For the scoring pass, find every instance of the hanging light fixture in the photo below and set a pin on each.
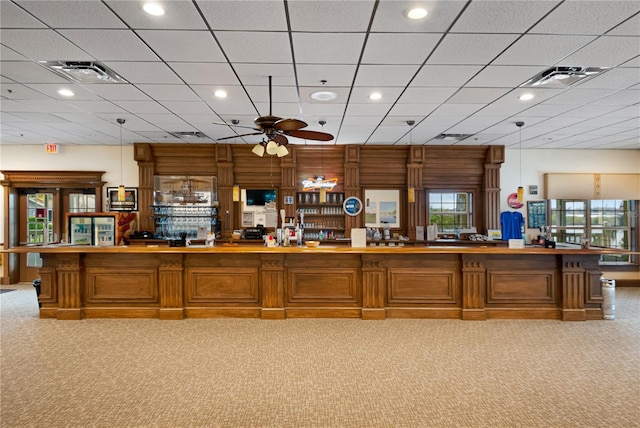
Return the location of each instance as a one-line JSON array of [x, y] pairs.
[[258, 149], [411, 191], [121, 190], [323, 191], [520, 192]]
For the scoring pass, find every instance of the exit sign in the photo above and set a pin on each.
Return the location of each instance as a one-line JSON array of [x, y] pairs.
[[51, 148]]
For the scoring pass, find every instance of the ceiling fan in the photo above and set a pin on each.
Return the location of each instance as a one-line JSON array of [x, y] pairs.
[[276, 130]]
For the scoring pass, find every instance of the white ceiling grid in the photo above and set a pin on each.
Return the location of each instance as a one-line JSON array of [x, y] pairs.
[[459, 70]]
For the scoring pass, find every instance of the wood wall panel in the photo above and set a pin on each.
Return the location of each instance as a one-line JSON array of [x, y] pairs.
[[421, 286], [534, 286], [125, 285], [383, 167], [221, 285], [337, 286]]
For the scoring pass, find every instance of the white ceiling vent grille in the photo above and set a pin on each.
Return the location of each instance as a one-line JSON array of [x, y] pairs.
[[562, 76], [189, 135], [453, 137], [83, 71]]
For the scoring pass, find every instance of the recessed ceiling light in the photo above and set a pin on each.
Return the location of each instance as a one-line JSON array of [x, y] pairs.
[[375, 96], [526, 97], [324, 95], [417, 13], [66, 92], [153, 9], [220, 93]]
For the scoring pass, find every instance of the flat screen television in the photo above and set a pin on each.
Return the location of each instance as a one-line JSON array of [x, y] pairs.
[[260, 197]]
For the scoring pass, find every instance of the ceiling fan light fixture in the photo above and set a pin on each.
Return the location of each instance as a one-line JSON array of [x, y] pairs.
[[324, 95], [282, 151], [258, 149], [272, 147]]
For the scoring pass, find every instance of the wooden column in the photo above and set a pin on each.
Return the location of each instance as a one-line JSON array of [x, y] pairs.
[[69, 287], [474, 285], [491, 187], [272, 286], [352, 185], [288, 185], [374, 287], [144, 156], [226, 180], [170, 285], [573, 284], [415, 212]]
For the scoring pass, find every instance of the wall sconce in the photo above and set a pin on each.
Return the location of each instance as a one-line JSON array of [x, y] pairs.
[[236, 193], [411, 194]]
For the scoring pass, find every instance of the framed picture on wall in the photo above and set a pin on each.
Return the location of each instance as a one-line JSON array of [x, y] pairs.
[[130, 202], [536, 214]]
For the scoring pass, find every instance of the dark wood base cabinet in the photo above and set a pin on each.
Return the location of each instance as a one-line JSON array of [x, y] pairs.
[[368, 283]]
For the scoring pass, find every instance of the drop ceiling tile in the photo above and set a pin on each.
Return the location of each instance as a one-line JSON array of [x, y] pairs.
[[72, 14], [605, 52], [13, 16], [51, 89], [257, 74], [587, 111], [279, 94], [109, 45], [47, 106], [397, 48], [412, 110], [235, 106], [458, 110], [579, 96], [97, 107], [13, 91], [376, 110], [470, 49], [183, 107], [244, 16], [178, 15], [335, 75], [501, 16], [38, 45], [145, 72], [627, 28], [322, 110], [327, 48], [586, 17], [502, 76], [339, 16], [419, 95], [169, 92], [29, 72], [542, 51], [391, 17], [170, 45], [240, 46], [142, 107], [119, 92], [617, 78], [385, 75], [7, 54], [445, 75], [477, 95]]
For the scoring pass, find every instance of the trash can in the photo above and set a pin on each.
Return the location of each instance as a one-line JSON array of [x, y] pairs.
[[36, 284], [608, 287]]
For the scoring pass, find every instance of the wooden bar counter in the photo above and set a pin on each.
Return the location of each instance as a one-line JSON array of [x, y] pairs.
[[471, 283]]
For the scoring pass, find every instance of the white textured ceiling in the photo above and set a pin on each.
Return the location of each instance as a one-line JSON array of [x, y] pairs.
[[458, 71]]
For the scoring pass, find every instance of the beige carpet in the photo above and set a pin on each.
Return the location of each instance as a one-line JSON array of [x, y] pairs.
[[318, 372]]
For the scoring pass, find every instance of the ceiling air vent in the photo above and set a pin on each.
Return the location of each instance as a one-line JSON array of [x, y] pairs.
[[563, 76], [83, 71], [188, 135], [453, 137]]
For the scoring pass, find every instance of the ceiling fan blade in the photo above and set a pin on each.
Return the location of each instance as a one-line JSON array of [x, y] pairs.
[[310, 135], [289, 124], [281, 139], [239, 135]]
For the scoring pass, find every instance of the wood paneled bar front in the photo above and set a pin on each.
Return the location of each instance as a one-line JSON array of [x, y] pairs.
[[373, 283]]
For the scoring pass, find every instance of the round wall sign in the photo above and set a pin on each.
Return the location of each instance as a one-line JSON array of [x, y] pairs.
[[352, 206], [513, 202]]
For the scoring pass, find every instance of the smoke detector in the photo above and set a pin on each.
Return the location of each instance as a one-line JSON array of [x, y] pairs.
[[83, 71], [562, 76]]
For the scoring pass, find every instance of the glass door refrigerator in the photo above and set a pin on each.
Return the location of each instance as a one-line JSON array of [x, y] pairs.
[[92, 228]]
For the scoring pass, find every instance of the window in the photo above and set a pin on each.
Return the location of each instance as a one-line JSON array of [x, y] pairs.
[[450, 211], [603, 223]]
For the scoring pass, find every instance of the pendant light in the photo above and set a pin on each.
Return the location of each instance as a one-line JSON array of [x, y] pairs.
[[411, 191], [121, 192], [323, 191], [520, 192]]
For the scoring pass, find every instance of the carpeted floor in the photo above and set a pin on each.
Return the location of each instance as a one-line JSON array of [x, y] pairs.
[[318, 372]]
